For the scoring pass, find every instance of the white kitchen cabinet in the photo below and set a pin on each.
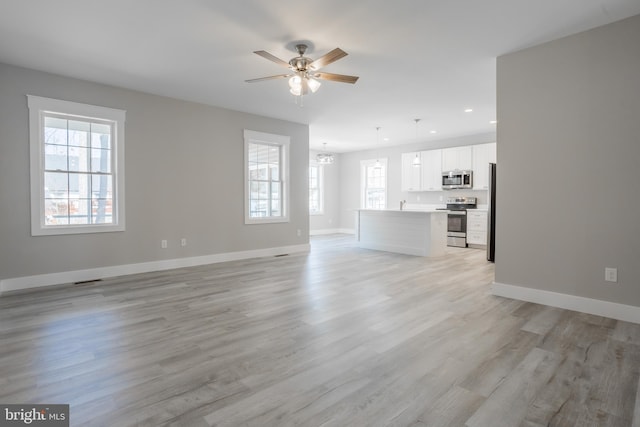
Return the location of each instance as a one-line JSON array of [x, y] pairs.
[[476, 227], [411, 175], [432, 170], [483, 154], [457, 158]]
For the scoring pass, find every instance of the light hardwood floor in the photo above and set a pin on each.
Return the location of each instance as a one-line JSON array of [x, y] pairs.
[[338, 337]]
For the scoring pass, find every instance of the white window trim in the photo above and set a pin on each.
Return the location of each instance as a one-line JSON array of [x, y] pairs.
[[320, 188], [363, 175], [272, 139], [38, 106]]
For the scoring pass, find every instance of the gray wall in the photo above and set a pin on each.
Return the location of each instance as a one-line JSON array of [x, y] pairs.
[[184, 178], [569, 146], [350, 176]]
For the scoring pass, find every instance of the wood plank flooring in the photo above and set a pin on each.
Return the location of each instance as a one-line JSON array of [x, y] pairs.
[[341, 336]]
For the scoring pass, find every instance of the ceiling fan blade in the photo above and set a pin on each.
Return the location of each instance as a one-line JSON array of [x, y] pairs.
[[327, 59], [270, 57], [336, 77], [261, 79]]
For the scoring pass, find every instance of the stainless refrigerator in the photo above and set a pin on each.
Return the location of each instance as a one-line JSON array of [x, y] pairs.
[[491, 216]]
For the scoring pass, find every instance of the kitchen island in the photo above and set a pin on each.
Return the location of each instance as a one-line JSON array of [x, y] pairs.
[[411, 232]]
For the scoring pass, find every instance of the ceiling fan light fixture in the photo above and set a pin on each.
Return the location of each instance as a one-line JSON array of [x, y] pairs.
[[295, 83], [303, 78], [314, 84]]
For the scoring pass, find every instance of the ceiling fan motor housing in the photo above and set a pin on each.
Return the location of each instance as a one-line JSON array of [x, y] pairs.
[[300, 63]]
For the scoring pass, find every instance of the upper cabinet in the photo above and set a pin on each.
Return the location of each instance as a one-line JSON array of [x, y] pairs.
[[428, 175], [411, 173], [432, 170], [483, 154], [457, 158]]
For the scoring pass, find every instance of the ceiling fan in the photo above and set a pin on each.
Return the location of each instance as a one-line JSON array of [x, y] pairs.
[[304, 73]]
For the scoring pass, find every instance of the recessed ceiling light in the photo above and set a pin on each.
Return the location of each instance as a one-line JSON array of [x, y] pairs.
[[468, 110], [493, 122], [432, 131], [385, 139]]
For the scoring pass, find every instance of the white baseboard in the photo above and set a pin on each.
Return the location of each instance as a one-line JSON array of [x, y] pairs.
[[28, 282], [331, 231], [627, 313]]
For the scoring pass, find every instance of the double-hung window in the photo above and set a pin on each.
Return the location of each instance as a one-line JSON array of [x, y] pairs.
[[77, 167], [266, 177], [316, 196], [373, 179]]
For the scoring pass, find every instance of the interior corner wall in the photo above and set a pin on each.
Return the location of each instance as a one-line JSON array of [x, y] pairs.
[[184, 179], [569, 149]]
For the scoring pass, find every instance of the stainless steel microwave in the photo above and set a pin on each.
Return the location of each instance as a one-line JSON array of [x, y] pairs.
[[457, 179]]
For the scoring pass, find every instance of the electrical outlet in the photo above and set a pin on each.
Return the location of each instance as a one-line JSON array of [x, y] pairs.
[[299, 232], [183, 242], [163, 244], [611, 274]]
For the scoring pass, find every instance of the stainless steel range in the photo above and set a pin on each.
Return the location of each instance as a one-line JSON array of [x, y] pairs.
[[457, 220]]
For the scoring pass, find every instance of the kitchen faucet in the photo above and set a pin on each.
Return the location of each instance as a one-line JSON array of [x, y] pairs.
[[402, 203]]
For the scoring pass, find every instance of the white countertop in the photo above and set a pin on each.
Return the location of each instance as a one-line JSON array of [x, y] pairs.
[[406, 210]]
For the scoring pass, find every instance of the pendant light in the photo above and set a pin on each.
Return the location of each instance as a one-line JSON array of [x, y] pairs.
[[377, 164], [416, 161], [324, 158]]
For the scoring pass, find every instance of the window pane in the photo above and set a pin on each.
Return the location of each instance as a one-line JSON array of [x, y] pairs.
[[79, 186], [262, 171], [100, 160], [275, 208], [274, 155], [252, 154], [100, 136], [375, 198], [79, 211], [101, 187], [56, 212], [101, 211], [253, 171], [56, 185], [55, 157], [258, 208], [254, 189], [79, 133], [55, 131], [275, 172], [275, 190], [313, 200], [78, 159], [263, 154], [263, 190]]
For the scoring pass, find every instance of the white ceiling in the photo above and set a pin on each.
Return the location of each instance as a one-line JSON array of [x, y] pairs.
[[424, 59]]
